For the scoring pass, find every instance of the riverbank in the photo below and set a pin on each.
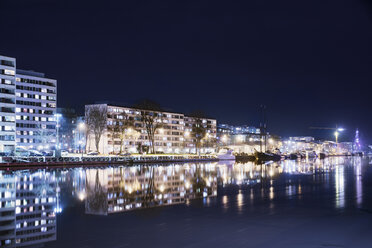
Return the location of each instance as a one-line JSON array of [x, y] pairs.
[[20, 163]]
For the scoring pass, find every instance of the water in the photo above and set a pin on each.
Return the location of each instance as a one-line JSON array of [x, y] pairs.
[[325, 203]]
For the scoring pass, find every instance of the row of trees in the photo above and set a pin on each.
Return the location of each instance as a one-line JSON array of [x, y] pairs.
[[151, 118]]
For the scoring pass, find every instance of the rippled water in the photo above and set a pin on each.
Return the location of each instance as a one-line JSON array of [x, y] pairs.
[[322, 203]]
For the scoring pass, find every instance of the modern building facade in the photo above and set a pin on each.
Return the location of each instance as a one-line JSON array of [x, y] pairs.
[[230, 129], [170, 137], [36, 105], [237, 135], [7, 104], [28, 106]]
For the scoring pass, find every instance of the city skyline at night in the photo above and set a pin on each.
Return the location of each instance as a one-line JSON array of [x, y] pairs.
[[309, 63]]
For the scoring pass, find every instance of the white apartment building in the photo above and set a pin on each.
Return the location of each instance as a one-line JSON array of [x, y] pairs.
[[36, 106], [169, 138], [7, 104], [208, 143], [28, 106]]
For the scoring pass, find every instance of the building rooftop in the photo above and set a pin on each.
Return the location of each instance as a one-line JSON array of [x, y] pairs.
[[30, 73]]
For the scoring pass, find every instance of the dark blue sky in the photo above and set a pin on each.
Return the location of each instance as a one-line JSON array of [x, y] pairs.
[[309, 62]]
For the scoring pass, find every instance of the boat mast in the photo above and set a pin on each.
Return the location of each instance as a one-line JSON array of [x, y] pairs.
[[263, 126]]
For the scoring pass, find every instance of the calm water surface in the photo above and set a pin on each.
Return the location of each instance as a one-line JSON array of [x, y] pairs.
[[322, 203]]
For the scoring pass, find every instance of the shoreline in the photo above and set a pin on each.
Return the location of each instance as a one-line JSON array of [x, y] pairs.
[[99, 161]]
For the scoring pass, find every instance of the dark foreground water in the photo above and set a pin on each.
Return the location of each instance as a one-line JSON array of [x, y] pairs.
[[324, 203]]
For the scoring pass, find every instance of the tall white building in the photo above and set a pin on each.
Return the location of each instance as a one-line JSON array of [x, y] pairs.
[[28, 106], [36, 106], [7, 103]]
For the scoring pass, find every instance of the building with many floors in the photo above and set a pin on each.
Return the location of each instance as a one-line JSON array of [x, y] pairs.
[[236, 130], [173, 135], [237, 135], [7, 104], [28, 103]]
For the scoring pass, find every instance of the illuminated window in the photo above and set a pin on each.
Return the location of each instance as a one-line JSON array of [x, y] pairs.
[[9, 72]]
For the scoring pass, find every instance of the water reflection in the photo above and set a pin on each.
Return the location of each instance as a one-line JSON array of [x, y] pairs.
[[358, 180], [30, 200], [340, 187], [29, 204]]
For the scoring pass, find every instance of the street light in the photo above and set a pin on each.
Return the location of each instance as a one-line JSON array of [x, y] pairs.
[[336, 136]]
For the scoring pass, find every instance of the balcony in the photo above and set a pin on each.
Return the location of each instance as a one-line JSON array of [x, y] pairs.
[[7, 110], [7, 63], [7, 100], [6, 91]]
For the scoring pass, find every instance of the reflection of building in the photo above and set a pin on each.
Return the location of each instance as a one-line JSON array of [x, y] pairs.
[[169, 137], [126, 188], [28, 209], [7, 210]]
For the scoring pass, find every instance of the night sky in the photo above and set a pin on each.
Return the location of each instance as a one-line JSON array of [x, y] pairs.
[[310, 62]]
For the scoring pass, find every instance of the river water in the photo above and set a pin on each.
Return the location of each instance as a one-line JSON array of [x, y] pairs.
[[321, 203]]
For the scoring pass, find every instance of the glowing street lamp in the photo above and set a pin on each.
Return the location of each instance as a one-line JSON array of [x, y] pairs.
[[337, 133], [81, 126], [336, 136]]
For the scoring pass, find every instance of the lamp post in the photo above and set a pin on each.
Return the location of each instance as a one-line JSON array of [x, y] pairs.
[[336, 136], [337, 132]]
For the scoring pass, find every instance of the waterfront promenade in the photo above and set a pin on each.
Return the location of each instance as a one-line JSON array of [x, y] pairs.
[[17, 163]]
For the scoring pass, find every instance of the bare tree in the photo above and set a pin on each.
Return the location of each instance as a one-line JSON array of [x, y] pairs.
[[151, 118], [198, 130], [97, 116], [88, 130], [127, 131], [45, 136]]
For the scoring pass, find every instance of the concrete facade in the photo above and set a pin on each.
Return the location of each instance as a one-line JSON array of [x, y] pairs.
[[169, 138], [28, 102]]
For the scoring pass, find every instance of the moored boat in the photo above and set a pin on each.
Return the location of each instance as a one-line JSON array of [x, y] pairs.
[[226, 155], [266, 156]]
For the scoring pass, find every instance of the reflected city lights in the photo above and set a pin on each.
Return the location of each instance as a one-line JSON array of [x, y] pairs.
[[112, 190]]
